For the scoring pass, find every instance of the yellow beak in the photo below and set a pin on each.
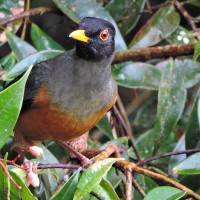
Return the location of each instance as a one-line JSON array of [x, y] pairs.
[[79, 35]]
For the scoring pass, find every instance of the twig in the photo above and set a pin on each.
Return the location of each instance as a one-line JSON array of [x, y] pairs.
[[63, 166], [123, 112], [129, 192], [31, 12], [149, 53], [149, 8], [138, 188], [187, 16], [25, 21], [134, 168], [162, 155], [9, 176], [144, 11]]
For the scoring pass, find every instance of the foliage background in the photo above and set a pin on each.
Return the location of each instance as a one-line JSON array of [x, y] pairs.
[[160, 97]]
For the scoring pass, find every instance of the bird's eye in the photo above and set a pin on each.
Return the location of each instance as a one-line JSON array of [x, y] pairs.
[[104, 35]]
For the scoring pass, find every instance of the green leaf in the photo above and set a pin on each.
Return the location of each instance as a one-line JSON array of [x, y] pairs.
[[161, 25], [146, 183], [192, 135], [138, 75], [121, 9], [198, 110], [190, 165], [190, 71], [104, 126], [92, 176], [145, 143], [8, 61], [68, 189], [175, 159], [196, 51], [33, 59], [10, 104], [166, 192], [42, 41], [76, 10], [106, 191], [171, 102], [24, 193], [21, 48], [181, 36], [7, 9], [4, 181]]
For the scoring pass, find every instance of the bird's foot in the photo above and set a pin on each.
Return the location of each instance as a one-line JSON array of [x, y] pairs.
[[85, 162]]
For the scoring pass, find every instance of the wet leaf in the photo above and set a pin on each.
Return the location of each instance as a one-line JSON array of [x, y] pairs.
[[192, 135], [127, 12], [105, 127], [92, 176], [8, 61], [190, 165], [175, 159], [33, 59], [10, 104], [76, 10], [138, 75], [171, 102], [68, 189], [181, 36], [166, 192], [42, 41], [106, 191], [161, 25], [24, 193], [146, 183], [196, 51], [21, 48]]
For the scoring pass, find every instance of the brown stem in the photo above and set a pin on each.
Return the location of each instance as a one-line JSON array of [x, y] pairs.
[[162, 155], [187, 16], [9, 176], [63, 166], [31, 12], [134, 168], [138, 188], [129, 178], [124, 114], [149, 53], [25, 21]]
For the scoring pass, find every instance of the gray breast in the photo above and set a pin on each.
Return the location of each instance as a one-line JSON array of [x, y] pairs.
[[81, 87]]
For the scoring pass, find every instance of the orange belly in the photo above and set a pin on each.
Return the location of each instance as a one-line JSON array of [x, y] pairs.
[[44, 121]]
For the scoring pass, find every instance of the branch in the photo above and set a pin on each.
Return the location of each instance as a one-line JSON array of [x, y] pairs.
[[31, 12], [134, 168], [9, 176], [187, 16], [149, 53], [63, 166], [138, 188], [162, 155]]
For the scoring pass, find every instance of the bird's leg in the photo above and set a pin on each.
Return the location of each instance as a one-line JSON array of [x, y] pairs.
[[85, 162]]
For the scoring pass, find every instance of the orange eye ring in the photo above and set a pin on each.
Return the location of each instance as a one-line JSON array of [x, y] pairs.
[[104, 35]]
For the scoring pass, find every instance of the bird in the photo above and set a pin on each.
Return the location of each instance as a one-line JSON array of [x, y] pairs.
[[68, 95]]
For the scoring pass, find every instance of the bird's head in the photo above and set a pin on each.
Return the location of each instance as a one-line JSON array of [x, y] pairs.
[[95, 39]]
